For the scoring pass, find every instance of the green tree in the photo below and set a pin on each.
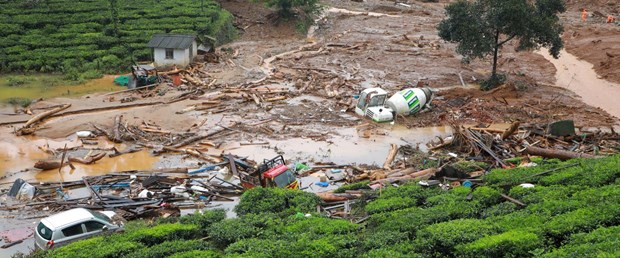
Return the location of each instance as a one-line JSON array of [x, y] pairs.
[[482, 27]]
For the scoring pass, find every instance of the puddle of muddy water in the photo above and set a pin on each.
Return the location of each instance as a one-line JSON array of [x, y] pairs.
[[41, 86], [345, 148], [20, 153], [579, 77]]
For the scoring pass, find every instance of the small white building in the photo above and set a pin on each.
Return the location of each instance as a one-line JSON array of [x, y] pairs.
[[173, 49]]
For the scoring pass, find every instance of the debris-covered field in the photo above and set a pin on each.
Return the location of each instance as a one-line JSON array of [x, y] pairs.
[[159, 152]]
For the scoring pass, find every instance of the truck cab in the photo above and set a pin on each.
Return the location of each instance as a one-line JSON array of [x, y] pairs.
[[371, 103], [272, 173]]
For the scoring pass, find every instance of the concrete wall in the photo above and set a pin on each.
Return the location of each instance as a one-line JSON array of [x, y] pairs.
[[181, 57]]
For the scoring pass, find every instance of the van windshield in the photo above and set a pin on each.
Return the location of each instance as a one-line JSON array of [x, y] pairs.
[[44, 231]]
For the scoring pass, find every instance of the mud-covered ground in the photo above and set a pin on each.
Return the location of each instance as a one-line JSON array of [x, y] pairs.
[[356, 45]]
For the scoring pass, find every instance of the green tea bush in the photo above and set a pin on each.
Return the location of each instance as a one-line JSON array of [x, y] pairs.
[[441, 239], [559, 228], [198, 254], [205, 219], [602, 242], [521, 220], [320, 226], [168, 248], [592, 173], [382, 238], [276, 200], [229, 231], [487, 196], [395, 198], [164, 232], [97, 247], [508, 244], [499, 210], [520, 175]]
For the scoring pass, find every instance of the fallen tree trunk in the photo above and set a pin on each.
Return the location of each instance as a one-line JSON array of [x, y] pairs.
[[116, 129], [390, 157], [336, 197], [559, 154], [411, 177], [89, 160], [25, 129], [89, 110], [49, 164]]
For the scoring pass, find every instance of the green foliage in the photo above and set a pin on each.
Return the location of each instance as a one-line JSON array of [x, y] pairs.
[[276, 200], [442, 238], [168, 248], [22, 102], [582, 220], [520, 175], [286, 7], [487, 196], [396, 198], [106, 35], [164, 232], [482, 27], [14, 81], [602, 242], [499, 210], [493, 81], [353, 186], [204, 219], [508, 244], [97, 247], [198, 254], [229, 231], [320, 226]]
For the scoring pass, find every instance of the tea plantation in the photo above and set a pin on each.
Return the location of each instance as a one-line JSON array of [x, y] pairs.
[[571, 212], [89, 37]]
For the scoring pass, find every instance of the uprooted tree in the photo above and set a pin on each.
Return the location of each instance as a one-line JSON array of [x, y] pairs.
[[302, 10], [482, 27]]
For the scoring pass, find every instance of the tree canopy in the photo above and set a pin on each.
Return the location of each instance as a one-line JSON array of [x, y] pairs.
[[482, 27]]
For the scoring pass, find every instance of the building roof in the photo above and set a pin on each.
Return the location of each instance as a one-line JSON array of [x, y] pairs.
[[177, 41]]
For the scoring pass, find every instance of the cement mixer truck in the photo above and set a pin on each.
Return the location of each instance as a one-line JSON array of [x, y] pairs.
[[373, 104]]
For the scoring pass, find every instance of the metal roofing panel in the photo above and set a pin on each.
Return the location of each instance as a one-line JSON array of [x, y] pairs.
[[177, 41]]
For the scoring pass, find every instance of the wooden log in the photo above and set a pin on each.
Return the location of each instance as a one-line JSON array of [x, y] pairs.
[[511, 130], [276, 98], [88, 160], [390, 157], [47, 164], [26, 128], [490, 130], [46, 114], [116, 133], [334, 197], [559, 154]]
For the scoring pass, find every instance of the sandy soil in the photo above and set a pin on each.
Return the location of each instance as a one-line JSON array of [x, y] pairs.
[[595, 40]]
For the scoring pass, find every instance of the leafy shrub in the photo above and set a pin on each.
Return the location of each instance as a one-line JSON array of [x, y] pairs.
[[520, 220], [13, 81], [168, 248], [205, 219], [509, 244], [582, 220], [97, 247], [520, 175], [276, 200], [405, 196], [22, 102], [198, 254], [382, 238], [602, 242], [591, 173], [499, 210], [442, 238], [163, 232], [320, 226], [487, 196], [354, 186], [229, 231], [301, 246]]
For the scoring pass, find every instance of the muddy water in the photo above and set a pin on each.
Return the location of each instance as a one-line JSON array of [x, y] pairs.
[[20, 153], [579, 76], [349, 146], [40, 88]]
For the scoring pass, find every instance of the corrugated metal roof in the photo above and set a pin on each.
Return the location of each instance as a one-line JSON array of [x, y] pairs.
[[177, 41]]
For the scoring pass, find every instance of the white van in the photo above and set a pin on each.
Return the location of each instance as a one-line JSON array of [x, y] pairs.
[[72, 225]]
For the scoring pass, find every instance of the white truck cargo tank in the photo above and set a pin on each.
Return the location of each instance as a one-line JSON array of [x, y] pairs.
[[409, 101]]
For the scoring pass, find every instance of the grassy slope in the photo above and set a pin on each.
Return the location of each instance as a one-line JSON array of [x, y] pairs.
[[571, 212]]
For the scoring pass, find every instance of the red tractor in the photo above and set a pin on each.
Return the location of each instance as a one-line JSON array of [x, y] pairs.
[[272, 173]]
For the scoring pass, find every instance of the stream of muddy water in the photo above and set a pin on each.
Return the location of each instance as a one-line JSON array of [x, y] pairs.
[[579, 77]]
